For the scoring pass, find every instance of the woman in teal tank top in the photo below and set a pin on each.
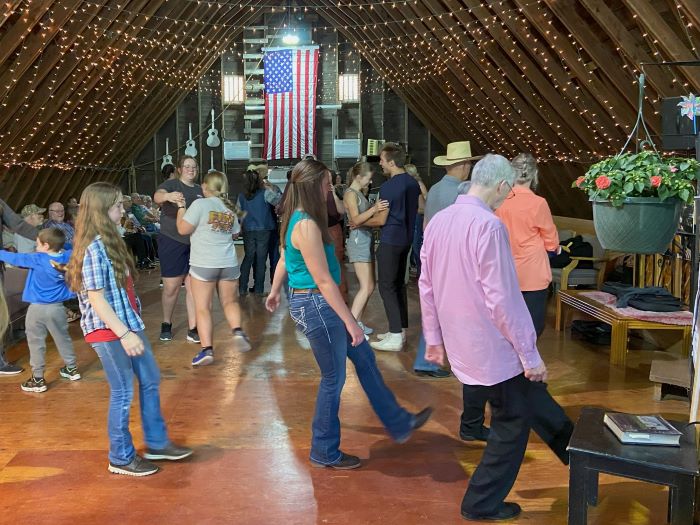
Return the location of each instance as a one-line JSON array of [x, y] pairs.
[[316, 305]]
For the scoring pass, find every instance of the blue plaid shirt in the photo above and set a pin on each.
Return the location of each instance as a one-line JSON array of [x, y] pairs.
[[98, 274]]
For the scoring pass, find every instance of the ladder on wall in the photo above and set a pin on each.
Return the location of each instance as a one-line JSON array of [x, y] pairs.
[[255, 38]]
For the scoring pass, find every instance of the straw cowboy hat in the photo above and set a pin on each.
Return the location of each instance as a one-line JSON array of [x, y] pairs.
[[456, 152]]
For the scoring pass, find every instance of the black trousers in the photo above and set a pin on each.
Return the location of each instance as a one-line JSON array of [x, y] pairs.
[[391, 281], [137, 245], [536, 302], [516, 406]]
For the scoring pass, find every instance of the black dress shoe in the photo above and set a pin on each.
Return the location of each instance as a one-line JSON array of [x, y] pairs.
[[481, 435], [420, 419], [347, 462], [507, 511], [440, 374]]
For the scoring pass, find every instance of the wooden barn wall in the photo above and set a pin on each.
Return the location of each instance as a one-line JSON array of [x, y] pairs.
[[380, 114]]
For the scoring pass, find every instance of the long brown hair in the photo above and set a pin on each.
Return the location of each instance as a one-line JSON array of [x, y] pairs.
[[93, 220], [305, 194], [252, 183]]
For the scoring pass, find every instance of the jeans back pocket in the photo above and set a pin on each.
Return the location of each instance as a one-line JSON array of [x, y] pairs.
[[299, 317]]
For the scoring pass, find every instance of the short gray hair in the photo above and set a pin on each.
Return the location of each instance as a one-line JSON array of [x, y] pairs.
[[492, 170], [463, 187]]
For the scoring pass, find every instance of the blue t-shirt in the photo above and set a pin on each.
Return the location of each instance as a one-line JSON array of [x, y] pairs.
[[45, 283], [298, 273], [402, 192], [258, 212]]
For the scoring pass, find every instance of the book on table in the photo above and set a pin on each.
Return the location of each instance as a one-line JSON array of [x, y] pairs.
[[642, 430]]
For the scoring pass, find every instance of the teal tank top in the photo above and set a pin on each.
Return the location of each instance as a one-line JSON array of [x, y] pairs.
[[298, 273]]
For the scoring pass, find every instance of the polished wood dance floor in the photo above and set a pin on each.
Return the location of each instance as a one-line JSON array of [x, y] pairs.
[[248, 418]]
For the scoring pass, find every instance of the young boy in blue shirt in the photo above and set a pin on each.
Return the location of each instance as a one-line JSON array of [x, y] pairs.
[[46, 290]]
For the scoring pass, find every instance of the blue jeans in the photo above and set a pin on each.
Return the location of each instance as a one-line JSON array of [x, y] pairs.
[[120, 369], [255, 246], [331, 345], [417, 243], [420, 363]]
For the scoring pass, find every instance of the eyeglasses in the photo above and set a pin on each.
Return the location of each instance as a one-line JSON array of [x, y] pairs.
[[511, 193], [57, 211]]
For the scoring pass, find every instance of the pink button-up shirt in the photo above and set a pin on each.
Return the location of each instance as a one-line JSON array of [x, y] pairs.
[[470, 298]]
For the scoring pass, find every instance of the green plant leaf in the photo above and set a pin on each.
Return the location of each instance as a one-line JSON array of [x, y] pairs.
[[639, 186], [684, 194], [628, 187]]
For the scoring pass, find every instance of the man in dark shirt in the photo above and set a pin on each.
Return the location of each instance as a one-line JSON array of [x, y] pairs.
[[398, 221]]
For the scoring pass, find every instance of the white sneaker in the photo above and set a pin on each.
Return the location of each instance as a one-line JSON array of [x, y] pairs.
[[391, 343], [366, 329], [381, 337]]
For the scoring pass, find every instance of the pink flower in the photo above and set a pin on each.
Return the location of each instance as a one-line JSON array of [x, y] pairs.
[[656, 180], [579, 181], [672, 169], [602, 182]]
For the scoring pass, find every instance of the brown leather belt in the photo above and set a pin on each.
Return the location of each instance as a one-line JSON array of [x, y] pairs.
[[304, 290]]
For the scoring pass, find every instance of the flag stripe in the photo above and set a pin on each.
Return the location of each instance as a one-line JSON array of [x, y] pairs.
[[290, 102]]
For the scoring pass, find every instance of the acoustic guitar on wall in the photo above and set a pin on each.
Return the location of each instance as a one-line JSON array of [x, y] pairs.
[[167, 158], [190, 148], [211, 165], [213, 138]]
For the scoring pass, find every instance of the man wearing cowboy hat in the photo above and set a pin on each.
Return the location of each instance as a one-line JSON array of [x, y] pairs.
[[458, 164]]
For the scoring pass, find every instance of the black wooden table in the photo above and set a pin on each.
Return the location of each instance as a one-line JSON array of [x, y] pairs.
[[594, 449]]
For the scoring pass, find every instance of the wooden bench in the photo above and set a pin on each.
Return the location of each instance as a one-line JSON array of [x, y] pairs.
[[670, 377], [620, 325]]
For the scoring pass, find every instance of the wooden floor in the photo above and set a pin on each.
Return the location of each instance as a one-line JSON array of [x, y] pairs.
[[248, 418]]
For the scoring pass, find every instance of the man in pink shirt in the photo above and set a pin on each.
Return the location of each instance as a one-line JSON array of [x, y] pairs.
[[474, 314]]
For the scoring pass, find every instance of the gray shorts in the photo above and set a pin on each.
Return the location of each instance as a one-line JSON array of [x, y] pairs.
[[215, 274]]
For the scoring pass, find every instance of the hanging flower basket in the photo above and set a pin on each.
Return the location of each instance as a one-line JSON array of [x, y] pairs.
[[641, 225], [637, 199]]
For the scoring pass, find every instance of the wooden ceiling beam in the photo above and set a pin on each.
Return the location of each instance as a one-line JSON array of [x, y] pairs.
[[548, 58], [169, 99], [610, 64], [666, 37], [413, 95], [155, 91], [442, 83], [499, 65], [490, 97], [66, 96], [163, 112], [11, 10], [18, 133], [477, 105], [563, 118], [15, 36], [609, 100], [691, 9]]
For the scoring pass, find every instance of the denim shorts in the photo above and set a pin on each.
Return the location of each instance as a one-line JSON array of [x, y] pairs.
[[174, 257]]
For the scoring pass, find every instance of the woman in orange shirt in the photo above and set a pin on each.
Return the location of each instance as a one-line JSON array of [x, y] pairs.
[[532, 234]]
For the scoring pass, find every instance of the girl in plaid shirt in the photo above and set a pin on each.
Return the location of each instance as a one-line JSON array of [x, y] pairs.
[[100, 271]]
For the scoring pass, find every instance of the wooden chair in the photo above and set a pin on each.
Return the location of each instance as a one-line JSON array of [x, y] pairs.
[[572, 274]]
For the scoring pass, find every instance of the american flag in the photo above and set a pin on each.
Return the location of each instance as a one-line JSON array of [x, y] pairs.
[[290, 102]]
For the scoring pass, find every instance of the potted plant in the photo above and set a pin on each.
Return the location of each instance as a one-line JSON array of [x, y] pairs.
[[637, 199]]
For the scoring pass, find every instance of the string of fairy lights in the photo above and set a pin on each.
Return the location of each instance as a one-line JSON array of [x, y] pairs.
[[514, 83]]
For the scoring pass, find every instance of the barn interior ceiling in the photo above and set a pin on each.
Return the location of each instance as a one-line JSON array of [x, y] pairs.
[[85, 84]]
